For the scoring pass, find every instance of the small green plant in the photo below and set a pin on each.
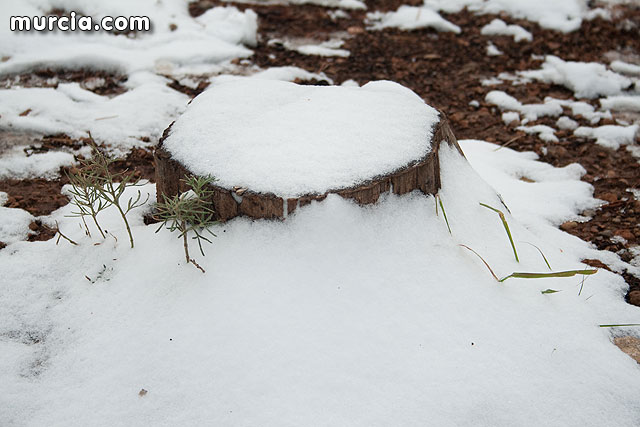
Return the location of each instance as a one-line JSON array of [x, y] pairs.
[[86, 196], [189, 212], [444, 213], [506, 227], [96, 187]]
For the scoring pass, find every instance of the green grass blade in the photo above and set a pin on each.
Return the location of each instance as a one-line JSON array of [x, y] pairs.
[[621, 324], [506, 227], [444, 213], [541, 253], [549, 291], [482, 259], [569, 273]]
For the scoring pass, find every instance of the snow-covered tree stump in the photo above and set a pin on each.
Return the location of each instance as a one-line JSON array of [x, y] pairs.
[[275, 146]]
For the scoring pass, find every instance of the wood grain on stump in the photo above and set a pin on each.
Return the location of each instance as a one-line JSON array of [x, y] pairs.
[[423, 174]]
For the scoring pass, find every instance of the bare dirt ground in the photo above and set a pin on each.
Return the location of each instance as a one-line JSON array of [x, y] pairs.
[[446, 70]]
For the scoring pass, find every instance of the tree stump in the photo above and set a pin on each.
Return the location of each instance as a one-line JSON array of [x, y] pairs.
[[229, 201]]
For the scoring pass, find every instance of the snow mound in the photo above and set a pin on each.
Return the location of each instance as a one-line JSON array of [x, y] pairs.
[[341, 315], [500, 28], [563, 15], [585, 79], [621, 103], [531, 111], [611, 136], [14, 223], [410, 18], [288, 139]]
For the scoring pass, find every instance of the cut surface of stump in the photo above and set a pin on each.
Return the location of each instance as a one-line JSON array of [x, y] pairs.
[[273, 146]]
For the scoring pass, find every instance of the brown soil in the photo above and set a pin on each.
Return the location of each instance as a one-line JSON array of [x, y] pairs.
[[446, 70]]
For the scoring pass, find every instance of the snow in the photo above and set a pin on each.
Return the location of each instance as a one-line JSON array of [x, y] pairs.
[[611, 136], [565, 15], [621, 103], [505, 101], [326, 48], [544, 132], [582, 109], [214, 37], [338, 14], [287, 74], [344, 4], [323, 49], [500, 28], [205, 44], [15, 164], [14, 223], [565, 122], [510, 117], [585, 79], [121, 120], [340, 315], [492, 50], [410, 18], [241, 132], [625, 68]]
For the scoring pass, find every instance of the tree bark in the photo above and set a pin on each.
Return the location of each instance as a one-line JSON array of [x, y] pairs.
[[423, 174]]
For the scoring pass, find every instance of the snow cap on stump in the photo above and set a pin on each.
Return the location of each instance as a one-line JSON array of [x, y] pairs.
[[291, 142]]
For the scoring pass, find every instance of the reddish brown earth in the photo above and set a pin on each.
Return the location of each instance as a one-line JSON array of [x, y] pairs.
[[446, 70]]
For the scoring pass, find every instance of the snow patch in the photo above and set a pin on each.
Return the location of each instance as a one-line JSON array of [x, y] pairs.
[[585, 79], [15, 164], [621, 103], [410, 18], [492, 50], [531, 111], [565, 122], [499, 28], [544, 132], [610, 136]]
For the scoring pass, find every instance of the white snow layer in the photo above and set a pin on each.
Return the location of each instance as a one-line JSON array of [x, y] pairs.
[[544, 132], [14, 223], [563, 15], [625, 68], [500, 28], [344, 4], [120, 121], [291, 140], [16, 165], [611, 136], [340, 315], [492, 50], [213, 37], [621, 103], [204, 43], [585, 79], [565, 122], [410, 18], [505, 101]]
